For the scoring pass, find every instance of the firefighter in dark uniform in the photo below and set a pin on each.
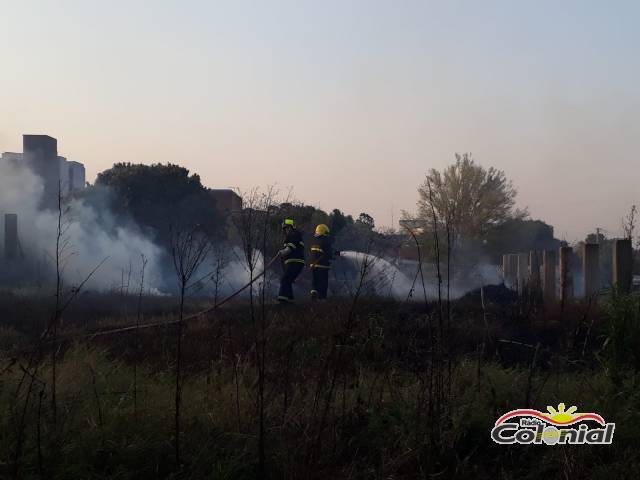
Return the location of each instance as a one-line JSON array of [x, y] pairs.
[[292, 255], [321, 254]]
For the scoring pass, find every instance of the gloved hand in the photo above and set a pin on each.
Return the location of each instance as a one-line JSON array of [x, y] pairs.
[[284, 252], [336, 253]]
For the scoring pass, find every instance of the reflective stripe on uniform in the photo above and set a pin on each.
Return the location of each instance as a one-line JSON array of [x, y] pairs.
[[292, 245], [293, 260], [317, 249], [315, 265]]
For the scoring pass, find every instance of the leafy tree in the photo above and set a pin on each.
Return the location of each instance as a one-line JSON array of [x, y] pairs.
[[467, 196], [366, 221], [348, 234], [338, 221], [160, 196], [305, 216]]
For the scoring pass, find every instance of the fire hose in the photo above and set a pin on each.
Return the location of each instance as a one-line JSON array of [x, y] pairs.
[[188, 317], [193, 315], [174, 322]]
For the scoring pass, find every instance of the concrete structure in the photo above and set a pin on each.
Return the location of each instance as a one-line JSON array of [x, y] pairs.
[[41, 155], [11, 157], [10, 236], [76, 176], [566, 273], [591, 269], [622, 264], [72, 175], [505, 268], [534, 272], [523, 271], [417, 226], [549, 275], [510, 270], [227, 201]]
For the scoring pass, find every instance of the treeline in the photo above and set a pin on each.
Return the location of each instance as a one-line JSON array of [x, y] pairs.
[[160, 197], [472, 205], [472, 208]]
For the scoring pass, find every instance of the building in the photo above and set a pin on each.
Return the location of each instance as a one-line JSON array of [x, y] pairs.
[[40, 152], [77, 178], [417, 226], [72, 175], [10, 236], [11, 157], [227, 201]]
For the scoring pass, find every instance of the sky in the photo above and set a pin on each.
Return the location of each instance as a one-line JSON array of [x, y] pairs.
[[345, 103]]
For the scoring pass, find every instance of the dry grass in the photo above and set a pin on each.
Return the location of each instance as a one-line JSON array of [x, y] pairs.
[[336, 406]]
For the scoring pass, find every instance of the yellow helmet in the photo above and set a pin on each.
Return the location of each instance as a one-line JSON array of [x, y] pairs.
[[322, 229]]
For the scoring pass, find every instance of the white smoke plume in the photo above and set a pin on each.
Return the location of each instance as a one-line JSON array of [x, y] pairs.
[[91, 235], [396, 280]]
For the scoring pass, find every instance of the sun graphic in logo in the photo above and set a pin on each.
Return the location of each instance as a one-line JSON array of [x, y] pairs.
[[561, 416]]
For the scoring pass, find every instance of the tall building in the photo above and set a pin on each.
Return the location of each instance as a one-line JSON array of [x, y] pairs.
[[41, 153]]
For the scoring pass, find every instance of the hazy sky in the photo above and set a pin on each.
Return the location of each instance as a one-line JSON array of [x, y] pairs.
[[348, 102]]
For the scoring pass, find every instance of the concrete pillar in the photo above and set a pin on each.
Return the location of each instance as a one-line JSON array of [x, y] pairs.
[[505, 267], [534, 269], [549, 275], [566, 273], [622, 264], [523, 271], [512, 271], [10, 236], [534, 272], [591, 269]]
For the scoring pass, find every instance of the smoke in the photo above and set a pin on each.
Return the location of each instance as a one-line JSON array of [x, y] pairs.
[[228, 268], [396, 279], [91, 233], [378, 275]]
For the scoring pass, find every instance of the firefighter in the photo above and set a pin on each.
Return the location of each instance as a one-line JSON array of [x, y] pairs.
[[292, 256], [321, 254]]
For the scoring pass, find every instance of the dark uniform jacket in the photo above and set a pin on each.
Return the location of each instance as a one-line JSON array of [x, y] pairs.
[[294, 241], [321, 252]]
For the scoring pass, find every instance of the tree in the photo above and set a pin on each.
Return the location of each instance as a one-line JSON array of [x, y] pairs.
[[189, 250], [158, 196], [338, 221], [366, 221], [467, 196]]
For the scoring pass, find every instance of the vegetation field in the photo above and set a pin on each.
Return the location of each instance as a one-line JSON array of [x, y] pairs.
[[355, 388]]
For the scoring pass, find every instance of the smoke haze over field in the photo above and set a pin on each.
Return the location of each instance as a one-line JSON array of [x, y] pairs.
[[91, 232], [397, 279]]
